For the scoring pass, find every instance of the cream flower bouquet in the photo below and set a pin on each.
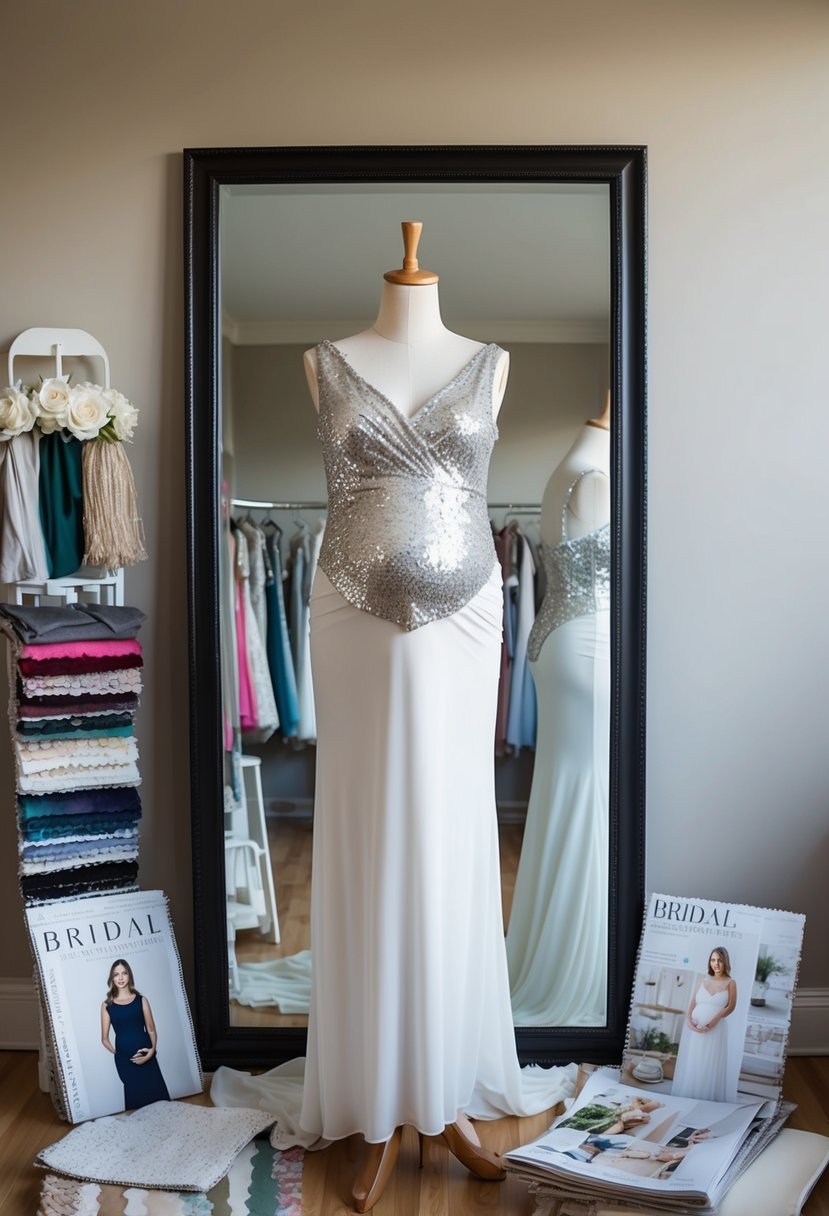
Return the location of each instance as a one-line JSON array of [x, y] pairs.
[[85, 410], [113, 533]]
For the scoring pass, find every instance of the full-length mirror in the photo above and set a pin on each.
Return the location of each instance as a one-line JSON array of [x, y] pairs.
[[541, 259]]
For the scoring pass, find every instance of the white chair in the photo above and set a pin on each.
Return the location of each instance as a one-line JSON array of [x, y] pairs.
[[245, 898], [256, 830]]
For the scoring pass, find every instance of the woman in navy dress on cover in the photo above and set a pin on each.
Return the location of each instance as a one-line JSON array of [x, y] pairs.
[[128, 1013]]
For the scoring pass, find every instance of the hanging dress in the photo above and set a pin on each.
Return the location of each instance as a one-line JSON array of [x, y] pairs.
[[557, 934], [252, 653], [280, 659]]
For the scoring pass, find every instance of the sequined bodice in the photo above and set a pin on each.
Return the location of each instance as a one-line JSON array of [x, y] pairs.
[[577, 571], [408, 535]]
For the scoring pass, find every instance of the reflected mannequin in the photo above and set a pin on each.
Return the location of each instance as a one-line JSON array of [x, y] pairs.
[[557, 935]]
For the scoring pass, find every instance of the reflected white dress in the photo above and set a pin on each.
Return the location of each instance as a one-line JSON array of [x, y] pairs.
[[410, 1015], [557, 934], [702, 1059]]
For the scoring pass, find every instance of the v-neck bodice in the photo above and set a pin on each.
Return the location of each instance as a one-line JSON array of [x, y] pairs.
[[408, 535]]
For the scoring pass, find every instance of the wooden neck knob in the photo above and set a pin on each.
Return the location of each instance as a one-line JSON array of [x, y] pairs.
[[410, 274]]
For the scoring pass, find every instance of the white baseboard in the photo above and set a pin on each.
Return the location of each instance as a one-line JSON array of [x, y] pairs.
[[19, 1026], [19, 1022], [810, 1023]]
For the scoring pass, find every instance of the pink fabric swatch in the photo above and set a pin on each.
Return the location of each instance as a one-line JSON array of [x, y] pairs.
[[92, 650]]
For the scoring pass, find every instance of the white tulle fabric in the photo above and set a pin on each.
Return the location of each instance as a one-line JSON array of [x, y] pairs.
[[410, 1013], [557, 936]]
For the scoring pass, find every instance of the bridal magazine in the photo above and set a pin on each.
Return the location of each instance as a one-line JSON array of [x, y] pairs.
[[698, 1094], [115, 1020], [712, 1000]]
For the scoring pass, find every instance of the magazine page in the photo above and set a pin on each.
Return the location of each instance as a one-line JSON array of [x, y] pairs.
[[712, 999], [615, 1138], [112, 990]]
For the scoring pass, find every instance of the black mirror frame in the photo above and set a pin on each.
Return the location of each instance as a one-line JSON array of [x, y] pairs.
[[206, 170]]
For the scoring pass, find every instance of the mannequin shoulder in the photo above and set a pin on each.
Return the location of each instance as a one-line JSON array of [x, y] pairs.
[[309, 360], [590, 500], [499, 380]]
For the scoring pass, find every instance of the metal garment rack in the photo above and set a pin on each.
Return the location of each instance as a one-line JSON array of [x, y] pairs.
[[254, 504], [257, 504]]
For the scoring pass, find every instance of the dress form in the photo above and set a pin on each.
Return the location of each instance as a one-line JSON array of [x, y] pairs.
[[409, 354], [410, 1019], [557, 934], [589, 505]]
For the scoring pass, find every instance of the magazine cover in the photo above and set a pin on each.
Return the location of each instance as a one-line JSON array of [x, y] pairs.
[[616, 1139], [115, 1004], [712, 1000]]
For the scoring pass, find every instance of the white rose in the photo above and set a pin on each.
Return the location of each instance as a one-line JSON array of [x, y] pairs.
[[17, 413], [87, 411], [123, 412], [52, 400]]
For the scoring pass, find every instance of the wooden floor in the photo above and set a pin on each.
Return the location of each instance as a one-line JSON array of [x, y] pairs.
[[442, 1188]]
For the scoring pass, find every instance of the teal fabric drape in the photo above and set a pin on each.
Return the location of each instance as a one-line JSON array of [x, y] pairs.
[[61, 503]]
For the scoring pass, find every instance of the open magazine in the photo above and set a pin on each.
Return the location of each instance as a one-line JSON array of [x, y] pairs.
[[712, 1000], [665, 1152], [117, 1024]]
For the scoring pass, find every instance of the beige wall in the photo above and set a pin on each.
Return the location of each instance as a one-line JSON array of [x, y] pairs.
[[733, 101]]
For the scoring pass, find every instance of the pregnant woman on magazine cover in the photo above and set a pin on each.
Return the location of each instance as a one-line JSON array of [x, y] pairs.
[[702, 1059], [128, 1013]]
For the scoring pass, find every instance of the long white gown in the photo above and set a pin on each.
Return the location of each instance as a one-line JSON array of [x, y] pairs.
[[410, 1014], [702, 1060], [557, 935]]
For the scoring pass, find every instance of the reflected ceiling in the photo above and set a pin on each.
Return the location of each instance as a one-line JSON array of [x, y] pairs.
[[533, 259]]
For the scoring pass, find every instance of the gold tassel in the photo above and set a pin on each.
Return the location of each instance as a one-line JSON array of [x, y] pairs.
[[113, 531]]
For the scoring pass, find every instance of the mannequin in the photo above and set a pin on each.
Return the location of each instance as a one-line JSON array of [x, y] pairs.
[[410, 1019], [409, 354], [556, 940], [408, 364]]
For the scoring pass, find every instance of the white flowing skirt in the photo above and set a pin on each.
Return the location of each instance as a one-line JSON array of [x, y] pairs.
[[410, 1016], [557, 934]]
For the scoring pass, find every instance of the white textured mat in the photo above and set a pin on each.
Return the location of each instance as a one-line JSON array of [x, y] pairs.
[[168, 1145]]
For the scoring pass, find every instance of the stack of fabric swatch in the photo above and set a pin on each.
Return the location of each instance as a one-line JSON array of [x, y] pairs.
[[72, 710]]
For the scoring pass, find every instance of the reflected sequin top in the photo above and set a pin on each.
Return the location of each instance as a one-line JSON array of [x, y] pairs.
[[408, 535], [578, 576]]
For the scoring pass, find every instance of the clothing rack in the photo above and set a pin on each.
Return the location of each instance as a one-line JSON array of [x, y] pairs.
[[528, 507], [278, 506]]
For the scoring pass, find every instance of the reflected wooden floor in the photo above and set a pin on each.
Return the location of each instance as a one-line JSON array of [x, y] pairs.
[[443, 1188], [291, 841]]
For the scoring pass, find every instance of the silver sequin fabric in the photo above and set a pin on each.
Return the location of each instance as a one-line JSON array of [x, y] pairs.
[[578, 578], [408, 535]]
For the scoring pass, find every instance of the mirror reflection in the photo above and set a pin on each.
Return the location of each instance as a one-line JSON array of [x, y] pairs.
[[523, 266]]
